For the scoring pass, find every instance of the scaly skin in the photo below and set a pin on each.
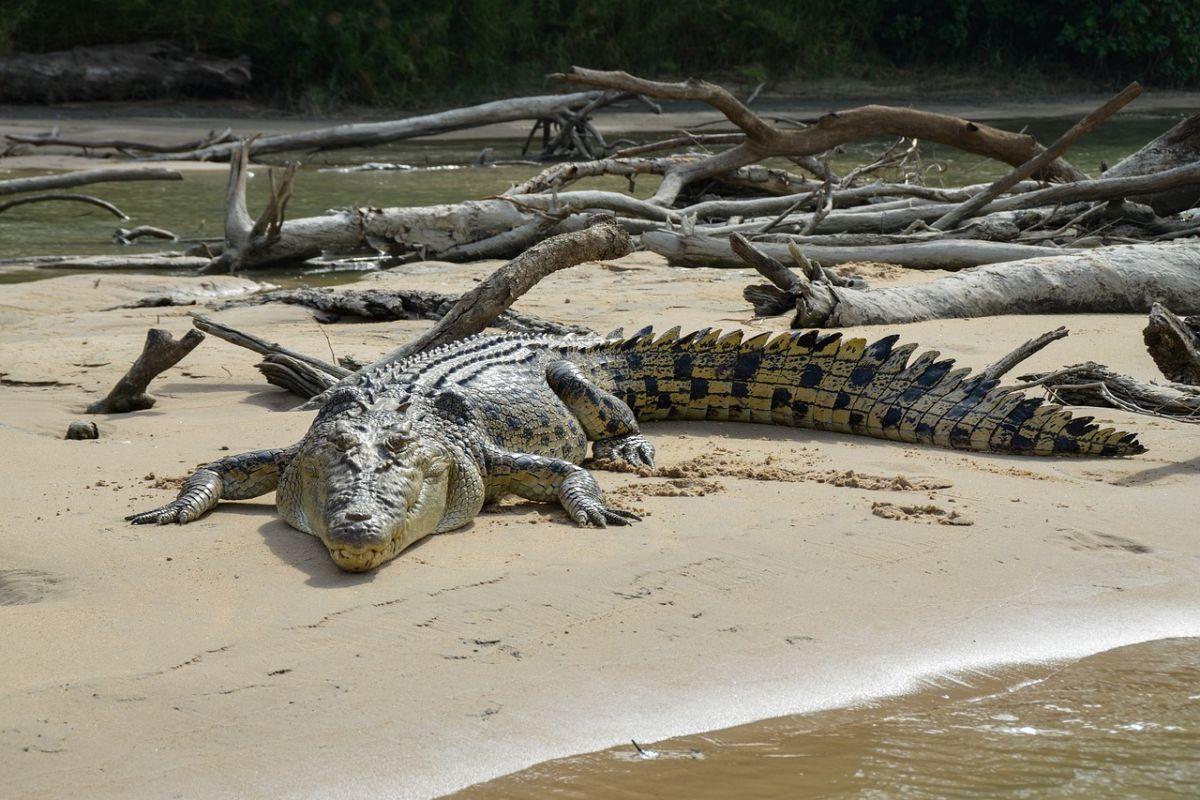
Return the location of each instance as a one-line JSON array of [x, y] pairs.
[[406, 449]]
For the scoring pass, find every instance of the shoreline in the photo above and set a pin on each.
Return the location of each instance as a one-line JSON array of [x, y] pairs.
[[162, 123], [231, 656], [1029, 727]]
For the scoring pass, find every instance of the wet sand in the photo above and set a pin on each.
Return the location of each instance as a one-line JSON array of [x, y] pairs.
[[1119, 724], [230, 658]]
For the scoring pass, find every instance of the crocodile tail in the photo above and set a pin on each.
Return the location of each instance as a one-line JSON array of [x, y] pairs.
[[826, 382]]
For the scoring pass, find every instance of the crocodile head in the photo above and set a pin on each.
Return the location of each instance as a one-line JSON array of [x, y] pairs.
[[366, 485]]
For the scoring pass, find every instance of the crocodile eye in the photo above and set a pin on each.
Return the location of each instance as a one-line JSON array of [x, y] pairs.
[[395, 442]]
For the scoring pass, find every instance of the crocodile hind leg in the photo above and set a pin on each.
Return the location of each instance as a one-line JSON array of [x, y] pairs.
[[608, 422], [237, 477], [545, 480]]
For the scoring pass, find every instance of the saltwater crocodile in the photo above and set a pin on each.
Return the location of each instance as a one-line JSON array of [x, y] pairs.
[[404, 449]]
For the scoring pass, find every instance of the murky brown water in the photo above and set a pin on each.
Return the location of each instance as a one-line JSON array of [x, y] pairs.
[[1120, 724]]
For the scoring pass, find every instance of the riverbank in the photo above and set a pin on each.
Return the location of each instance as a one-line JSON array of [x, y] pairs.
[[1122, 723], [230, 658]]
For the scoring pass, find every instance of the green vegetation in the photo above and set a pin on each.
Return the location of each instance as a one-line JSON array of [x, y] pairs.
[[323, 52]]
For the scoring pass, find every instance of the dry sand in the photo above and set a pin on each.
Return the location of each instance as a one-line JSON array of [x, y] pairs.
[[231, 658]]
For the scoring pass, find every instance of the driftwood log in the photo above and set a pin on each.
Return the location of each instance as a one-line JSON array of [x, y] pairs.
[[370, 134], [1174, 344], [161, 352], [476, 309], [1092, 384], [389, 305], [67, 180], [1118, 279], [836, 128], [1178, 147], [1039, 162], [63, 197], [950, 254], [124, 146], [119, 72]]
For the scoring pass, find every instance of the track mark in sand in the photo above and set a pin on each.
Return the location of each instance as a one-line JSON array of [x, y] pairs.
[[724, 463], [1095, 540], [20, 587], [930, 514]]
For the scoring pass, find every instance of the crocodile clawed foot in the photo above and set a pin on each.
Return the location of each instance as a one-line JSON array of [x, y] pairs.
[[632, 449], [172, 512], [583, 502]]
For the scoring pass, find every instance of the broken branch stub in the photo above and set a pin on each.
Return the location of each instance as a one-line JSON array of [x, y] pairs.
[[161, 352]]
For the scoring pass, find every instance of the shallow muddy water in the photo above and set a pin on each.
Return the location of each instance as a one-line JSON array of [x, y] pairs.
[[1119, 724], [193, 208]]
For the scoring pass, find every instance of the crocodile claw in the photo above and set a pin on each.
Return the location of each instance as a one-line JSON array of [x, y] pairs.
[[633, 449], [585, 505], [200, 492]]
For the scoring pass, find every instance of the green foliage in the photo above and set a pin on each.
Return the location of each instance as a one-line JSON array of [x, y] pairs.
[[1157, 41], [320, 52]]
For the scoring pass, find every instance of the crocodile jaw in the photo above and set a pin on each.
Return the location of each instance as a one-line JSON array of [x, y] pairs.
[[360, 546], [367, 487]]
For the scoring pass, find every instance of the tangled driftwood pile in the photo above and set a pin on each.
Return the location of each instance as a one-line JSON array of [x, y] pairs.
[[1044, 238]]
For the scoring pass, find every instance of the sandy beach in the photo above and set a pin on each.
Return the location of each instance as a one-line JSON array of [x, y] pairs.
[[787, 571]]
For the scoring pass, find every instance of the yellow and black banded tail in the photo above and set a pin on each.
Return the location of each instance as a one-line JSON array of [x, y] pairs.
[[825, 382]]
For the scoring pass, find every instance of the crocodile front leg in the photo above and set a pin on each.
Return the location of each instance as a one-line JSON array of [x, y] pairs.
[[608, 422], [545, 480], [237, 477]]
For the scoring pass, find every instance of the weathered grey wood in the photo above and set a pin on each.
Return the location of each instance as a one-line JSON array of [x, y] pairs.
[[1092, 384], [387, 305], [476, 309], [369, 134], [763, 140], [66, 180], [1117, 279], [1174, 344], [700, 250], [161, 352], [1179, 146], [64, 197], [262, 346], [1002, 366], [1039, 162]]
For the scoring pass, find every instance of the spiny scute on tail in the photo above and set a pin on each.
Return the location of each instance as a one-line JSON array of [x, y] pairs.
[[827, 382]]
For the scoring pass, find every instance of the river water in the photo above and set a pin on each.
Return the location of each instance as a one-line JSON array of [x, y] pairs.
[[1120, 724]]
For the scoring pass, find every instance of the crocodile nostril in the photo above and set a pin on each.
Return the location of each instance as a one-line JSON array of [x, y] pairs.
[[355, 516]]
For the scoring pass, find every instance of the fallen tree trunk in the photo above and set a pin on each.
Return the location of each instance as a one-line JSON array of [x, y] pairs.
[[1180, 146], [709, 251], [370, 134], [1174, 344], [119, 72], [66, 180], [1118, 279], [764, 140]]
